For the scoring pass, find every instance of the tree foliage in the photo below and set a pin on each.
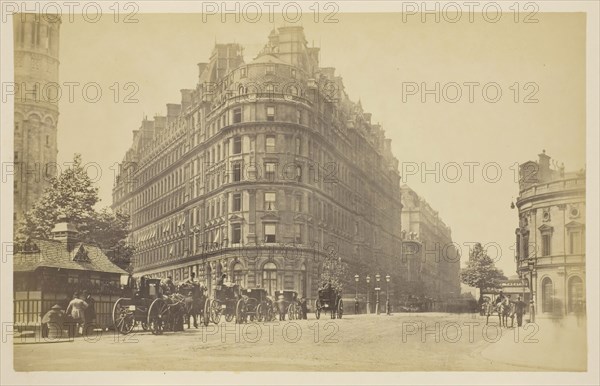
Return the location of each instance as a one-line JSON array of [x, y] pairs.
[[334, 271], [481, 271], [72, 196]]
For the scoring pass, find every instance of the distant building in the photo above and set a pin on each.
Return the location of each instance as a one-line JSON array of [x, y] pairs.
[[433, 262], [263, 169], [551, 236], [36, 44], [48, 272]]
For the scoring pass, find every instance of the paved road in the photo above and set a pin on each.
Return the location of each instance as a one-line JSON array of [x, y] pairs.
[[401, 342]]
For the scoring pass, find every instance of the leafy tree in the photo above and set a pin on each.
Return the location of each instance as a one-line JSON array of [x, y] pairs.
[[73, 196], [109, 231], [481, 271], [334, 271], [70, 195]]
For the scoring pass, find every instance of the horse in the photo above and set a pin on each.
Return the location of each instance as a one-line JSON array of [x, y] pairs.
[[193, 300], [489, 309], [507, 310]]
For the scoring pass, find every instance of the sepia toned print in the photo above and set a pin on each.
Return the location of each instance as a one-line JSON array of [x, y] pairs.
[[291, 187]]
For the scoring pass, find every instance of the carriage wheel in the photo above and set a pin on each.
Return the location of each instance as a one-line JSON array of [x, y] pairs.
[[269, 314], [259, 313], [123, 317], [240, 312], [229, 316], [215, 311], [158, 316], [317, 308], [206, 314], [340, 309]]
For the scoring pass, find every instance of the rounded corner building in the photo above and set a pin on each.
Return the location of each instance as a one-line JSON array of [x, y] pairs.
[[261, 171], [36, 93]]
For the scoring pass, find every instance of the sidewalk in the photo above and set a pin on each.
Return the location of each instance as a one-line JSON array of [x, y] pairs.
[[547, 345]]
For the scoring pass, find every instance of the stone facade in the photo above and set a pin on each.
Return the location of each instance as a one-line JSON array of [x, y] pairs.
[[551, 236], [262, 169], [36, 47], [433, 262]]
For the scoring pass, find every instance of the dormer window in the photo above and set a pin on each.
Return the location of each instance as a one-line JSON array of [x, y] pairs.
[[270, 69], [243, 72]]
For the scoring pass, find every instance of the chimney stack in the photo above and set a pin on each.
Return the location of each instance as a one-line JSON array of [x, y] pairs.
[[65, 232], [543, 167]]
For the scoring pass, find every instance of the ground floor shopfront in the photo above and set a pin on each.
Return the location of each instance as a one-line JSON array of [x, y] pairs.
[[271, 268]]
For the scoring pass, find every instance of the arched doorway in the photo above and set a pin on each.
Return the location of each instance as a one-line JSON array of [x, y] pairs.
[[547, 295], [575, 294], [269, 277]]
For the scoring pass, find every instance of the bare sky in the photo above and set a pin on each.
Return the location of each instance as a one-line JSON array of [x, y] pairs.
[[375, 54]]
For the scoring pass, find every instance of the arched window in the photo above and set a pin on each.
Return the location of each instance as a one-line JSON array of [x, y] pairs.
[[547, 295], [269, 278], [238, 276], [575, 294]]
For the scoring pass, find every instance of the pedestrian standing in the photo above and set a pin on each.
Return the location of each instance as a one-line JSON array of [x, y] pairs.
[[303, 308], [89, 312], [281, 307], [76, 309], [520, 307]]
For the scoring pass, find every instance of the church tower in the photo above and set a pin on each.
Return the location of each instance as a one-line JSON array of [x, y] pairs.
[[37, 92]]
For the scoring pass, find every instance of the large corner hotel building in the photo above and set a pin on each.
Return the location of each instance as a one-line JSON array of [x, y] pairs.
[[261, 170]]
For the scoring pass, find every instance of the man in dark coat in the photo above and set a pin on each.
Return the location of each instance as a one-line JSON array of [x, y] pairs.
[[520, 308], [303, 308], [90, 311], [500, 298]]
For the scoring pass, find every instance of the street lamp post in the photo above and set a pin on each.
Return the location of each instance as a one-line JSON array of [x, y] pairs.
[[377, 289], [531, 266], [356, 297], [368, 297], [388, 309]]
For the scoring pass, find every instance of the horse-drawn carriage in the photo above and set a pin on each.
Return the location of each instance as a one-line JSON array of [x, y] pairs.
[[194, 300], [502, 306], [149, 307], [224, 302], [329, 300], [287, 304], [256, 305]]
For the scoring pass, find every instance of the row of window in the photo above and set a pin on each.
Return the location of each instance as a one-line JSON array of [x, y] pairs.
[[575, 244], [216, 236], [47, 40]]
